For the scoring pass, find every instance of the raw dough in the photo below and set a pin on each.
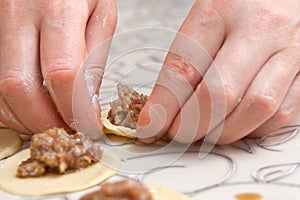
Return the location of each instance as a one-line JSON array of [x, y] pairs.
[[2, 125], [159, 193], [110, 128], [54, 183], [10, 143]]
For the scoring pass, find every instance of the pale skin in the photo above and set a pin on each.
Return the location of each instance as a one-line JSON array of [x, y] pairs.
[[254, 45], [47, 41]]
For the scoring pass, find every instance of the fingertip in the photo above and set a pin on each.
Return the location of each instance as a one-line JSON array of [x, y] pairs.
[[152, 123], [147, 140], [143, 121], [89, 123], [93, 133]]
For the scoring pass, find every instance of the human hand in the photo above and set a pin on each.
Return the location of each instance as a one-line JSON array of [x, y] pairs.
[[47, 41], [255, 49]]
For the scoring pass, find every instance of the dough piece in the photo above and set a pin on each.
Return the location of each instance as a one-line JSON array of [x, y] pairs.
[[131, 190], [55, 183], [57, 150], [159, 193], [10, 143], [126, 189], [110, 128], [2, 125], [126, 109]]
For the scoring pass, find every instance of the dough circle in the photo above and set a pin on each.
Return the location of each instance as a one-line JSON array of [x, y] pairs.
[[110, 128], [10, 142], [2, 125], [159, 193], [54, 183]]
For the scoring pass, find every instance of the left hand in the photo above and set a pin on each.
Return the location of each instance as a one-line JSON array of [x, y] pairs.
[[47, 42]]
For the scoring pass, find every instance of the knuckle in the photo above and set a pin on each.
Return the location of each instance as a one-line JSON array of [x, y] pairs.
[[264, 104], [61, 72], [16, 83], [182, 66]]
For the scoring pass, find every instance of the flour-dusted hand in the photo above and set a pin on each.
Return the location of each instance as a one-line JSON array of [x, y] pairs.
[[252, 48], [46, 42]]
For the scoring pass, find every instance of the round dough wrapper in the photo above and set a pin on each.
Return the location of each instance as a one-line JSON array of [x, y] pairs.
[[2, 125], [10, 142], [110, 128], [159, 193], [55, 183]]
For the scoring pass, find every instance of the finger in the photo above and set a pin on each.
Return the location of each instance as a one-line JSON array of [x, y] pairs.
[[62, 51], [20, 78], [102, 23], [288, 110], [187, 60], [263, 98], [86, 109], [99, 31], [9, 118], [227, 79]]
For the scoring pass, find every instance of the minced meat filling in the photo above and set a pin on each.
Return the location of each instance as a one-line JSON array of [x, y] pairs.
[[126, 109], [122, 190], [31, 168], [56, 150]]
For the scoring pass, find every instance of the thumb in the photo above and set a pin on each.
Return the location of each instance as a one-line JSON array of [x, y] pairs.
[[99, 32], [86, 108]]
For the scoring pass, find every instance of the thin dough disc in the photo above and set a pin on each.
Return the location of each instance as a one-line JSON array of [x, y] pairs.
[[160, 193], [2, 125], [53, 183], [10, 143], [110, 128]]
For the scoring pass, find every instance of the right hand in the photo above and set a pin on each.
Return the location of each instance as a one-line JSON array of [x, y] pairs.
[[245, 80]]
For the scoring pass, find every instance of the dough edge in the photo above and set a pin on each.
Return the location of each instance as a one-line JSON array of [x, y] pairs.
[[110, 128], [10, 143], [56, 184], [159, 193]]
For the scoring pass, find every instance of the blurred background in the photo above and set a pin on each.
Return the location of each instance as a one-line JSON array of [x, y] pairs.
[[155, 13]]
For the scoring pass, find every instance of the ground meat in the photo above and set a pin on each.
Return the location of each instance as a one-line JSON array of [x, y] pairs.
[[126, 109], [56, 150], [137, 103], [122, 190], [31, 168]]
